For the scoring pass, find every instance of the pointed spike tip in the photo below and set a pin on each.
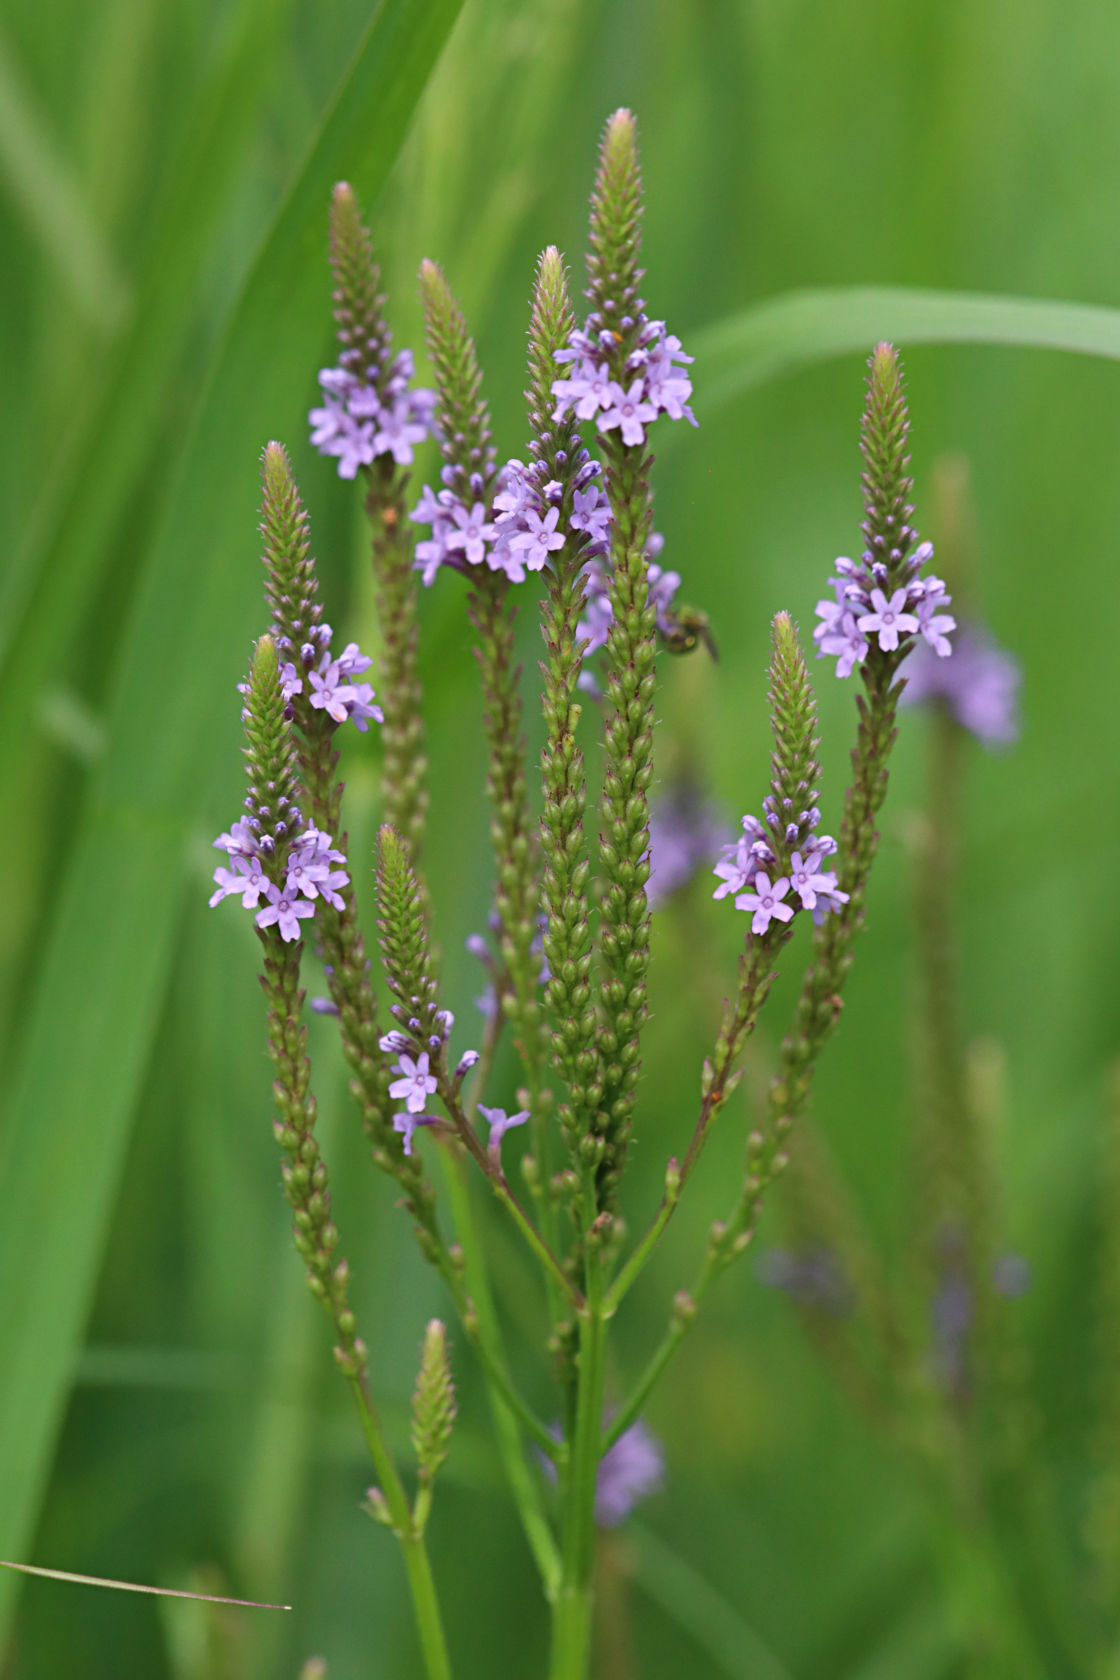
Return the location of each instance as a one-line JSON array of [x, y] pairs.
[[551, 274], [265, 658], [618, 154], [276, 471], [885, 376]]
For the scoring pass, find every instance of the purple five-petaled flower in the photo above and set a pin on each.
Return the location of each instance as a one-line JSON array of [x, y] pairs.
[[629, 412], [766, 902], [415, 1084], [889, 620], [287, 912], [500, 1123]]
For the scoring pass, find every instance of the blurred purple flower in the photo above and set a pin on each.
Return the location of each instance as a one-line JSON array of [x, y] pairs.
[[979, 685], [813, 1277], [685, 834]]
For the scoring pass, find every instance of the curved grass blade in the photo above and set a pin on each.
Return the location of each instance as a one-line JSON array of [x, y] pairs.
[[54, 205], [59, 563], [105, 969], [136, 1586], [790, 331], [700, 1610]]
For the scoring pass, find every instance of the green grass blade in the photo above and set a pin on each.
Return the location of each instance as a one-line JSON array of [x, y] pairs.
[[53, 205], [784, 333], [106, 966], [698, 1608], [66, 548]]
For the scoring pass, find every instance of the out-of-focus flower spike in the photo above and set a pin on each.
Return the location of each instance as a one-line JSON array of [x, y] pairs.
[[1102, 1519], [404, 939], [291, 588], [794, 767], [843, 1299], [616, 226], [551, 324], [889, 535], [567, 933], [359, 307], [614, 276], [433, 1416], [270, 757], [462, 417], [887, 485]]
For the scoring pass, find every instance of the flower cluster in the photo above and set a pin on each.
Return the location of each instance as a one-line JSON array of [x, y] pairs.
[[862, 608], [418, 1066], [750, 867], [629, 398], [979, 686], [370, 410], [308, 870], [516, 532], [329, 688]]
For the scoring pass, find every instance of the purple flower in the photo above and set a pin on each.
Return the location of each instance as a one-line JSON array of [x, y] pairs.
[[466, 1061], [766, 902], [813, 1277], [666, 386], [371, 415], [628, 411], [286, 912], [591, 512], [246, 877], [415, 1085], [684, 834], [500, 1123], [407, 1123], [807, 880], [351, 662], [847, 642], [314, 848], [595, 625], [354, 447], [629, 1472], [340, 699], [935, 626], [889, 619], [586, 393], [394, 1041], [861, 607], [398, 431], [734, 868], [239, 841], [539, 539], [979, 685], [471, 533], [663, 587]]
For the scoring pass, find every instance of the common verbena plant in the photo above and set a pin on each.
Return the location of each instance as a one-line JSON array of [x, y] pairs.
[[569, 948]]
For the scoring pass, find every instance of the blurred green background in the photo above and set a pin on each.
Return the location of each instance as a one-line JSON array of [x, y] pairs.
[[168, 1410]]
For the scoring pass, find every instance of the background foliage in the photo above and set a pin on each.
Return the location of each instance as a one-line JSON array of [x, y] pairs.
[[167, 1407]]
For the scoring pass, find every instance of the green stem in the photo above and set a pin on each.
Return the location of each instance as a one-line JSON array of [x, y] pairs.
[[425, 1603], [641, 1254], [572, 1612], [523, 1484], [498, 1182]]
